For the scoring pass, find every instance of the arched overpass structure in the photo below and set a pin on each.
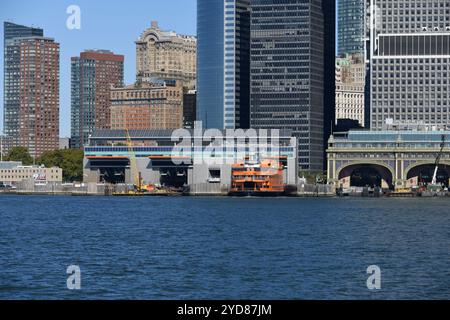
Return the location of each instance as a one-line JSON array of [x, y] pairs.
[[389, 159]]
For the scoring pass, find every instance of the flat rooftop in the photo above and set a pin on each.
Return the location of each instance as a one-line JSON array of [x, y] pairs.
[[393, 136], [167, 134]]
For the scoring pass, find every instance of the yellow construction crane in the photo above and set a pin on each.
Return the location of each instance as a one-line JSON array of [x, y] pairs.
[[133, 164]]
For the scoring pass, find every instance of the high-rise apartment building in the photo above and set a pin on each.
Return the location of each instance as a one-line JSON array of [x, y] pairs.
[[94, 72], [38, 88], [147, 105], [6, 143], [11, 83], [350, 85], [223, 30], [351, 29], [166, 55], [292, 72], [410, 63]]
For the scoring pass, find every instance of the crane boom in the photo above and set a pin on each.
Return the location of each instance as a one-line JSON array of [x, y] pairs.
[[438, 160], [133, 163]]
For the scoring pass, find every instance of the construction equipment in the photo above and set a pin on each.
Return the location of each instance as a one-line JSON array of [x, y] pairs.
[[434, 188], [438, 160], [133, 162], [139, 188]]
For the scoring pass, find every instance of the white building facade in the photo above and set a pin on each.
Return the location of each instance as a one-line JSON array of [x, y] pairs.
[[410, 62], [13, 173]]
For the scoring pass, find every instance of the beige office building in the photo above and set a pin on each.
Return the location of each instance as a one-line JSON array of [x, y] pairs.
[[147, 106], [166, 55], [350, 85], [13, 173]]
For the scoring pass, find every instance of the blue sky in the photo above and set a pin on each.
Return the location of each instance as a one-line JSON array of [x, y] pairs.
[[112, 25]]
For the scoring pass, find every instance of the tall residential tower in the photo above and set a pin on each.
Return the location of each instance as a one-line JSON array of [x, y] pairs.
[[37, 86], [31, 105], [94, 73], [11, 83], [223, 30]]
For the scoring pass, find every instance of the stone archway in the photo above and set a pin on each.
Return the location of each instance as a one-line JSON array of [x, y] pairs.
[[422, 174], [366, 175]]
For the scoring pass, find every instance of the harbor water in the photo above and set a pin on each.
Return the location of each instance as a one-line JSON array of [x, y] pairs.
[[223, 248]]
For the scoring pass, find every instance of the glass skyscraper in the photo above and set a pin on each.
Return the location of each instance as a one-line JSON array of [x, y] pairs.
[[351, 27], [292, 72], [223, 32], [353, 40], [11, 78]]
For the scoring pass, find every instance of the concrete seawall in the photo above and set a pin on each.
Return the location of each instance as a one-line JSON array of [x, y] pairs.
[[201, 189]]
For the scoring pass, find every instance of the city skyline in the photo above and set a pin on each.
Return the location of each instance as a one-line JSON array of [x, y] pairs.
[[51, 17]]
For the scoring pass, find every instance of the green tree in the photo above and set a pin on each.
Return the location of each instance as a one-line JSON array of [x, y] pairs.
[[69, 160], [20, 154]]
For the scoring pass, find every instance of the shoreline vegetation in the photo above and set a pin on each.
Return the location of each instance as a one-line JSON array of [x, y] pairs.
[[69, 160]]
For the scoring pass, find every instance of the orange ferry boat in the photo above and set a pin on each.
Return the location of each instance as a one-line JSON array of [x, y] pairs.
[[253, 178]]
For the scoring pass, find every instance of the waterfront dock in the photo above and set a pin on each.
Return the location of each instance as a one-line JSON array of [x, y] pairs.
[[206, 190], [122, 190]]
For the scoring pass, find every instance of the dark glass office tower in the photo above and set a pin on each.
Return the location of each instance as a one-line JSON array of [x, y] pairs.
[[11, 78], [223, 34], [351, 32], [329, 71], [292, 72]]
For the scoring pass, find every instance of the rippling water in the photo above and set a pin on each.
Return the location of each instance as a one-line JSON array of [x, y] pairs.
[[223, 248]]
